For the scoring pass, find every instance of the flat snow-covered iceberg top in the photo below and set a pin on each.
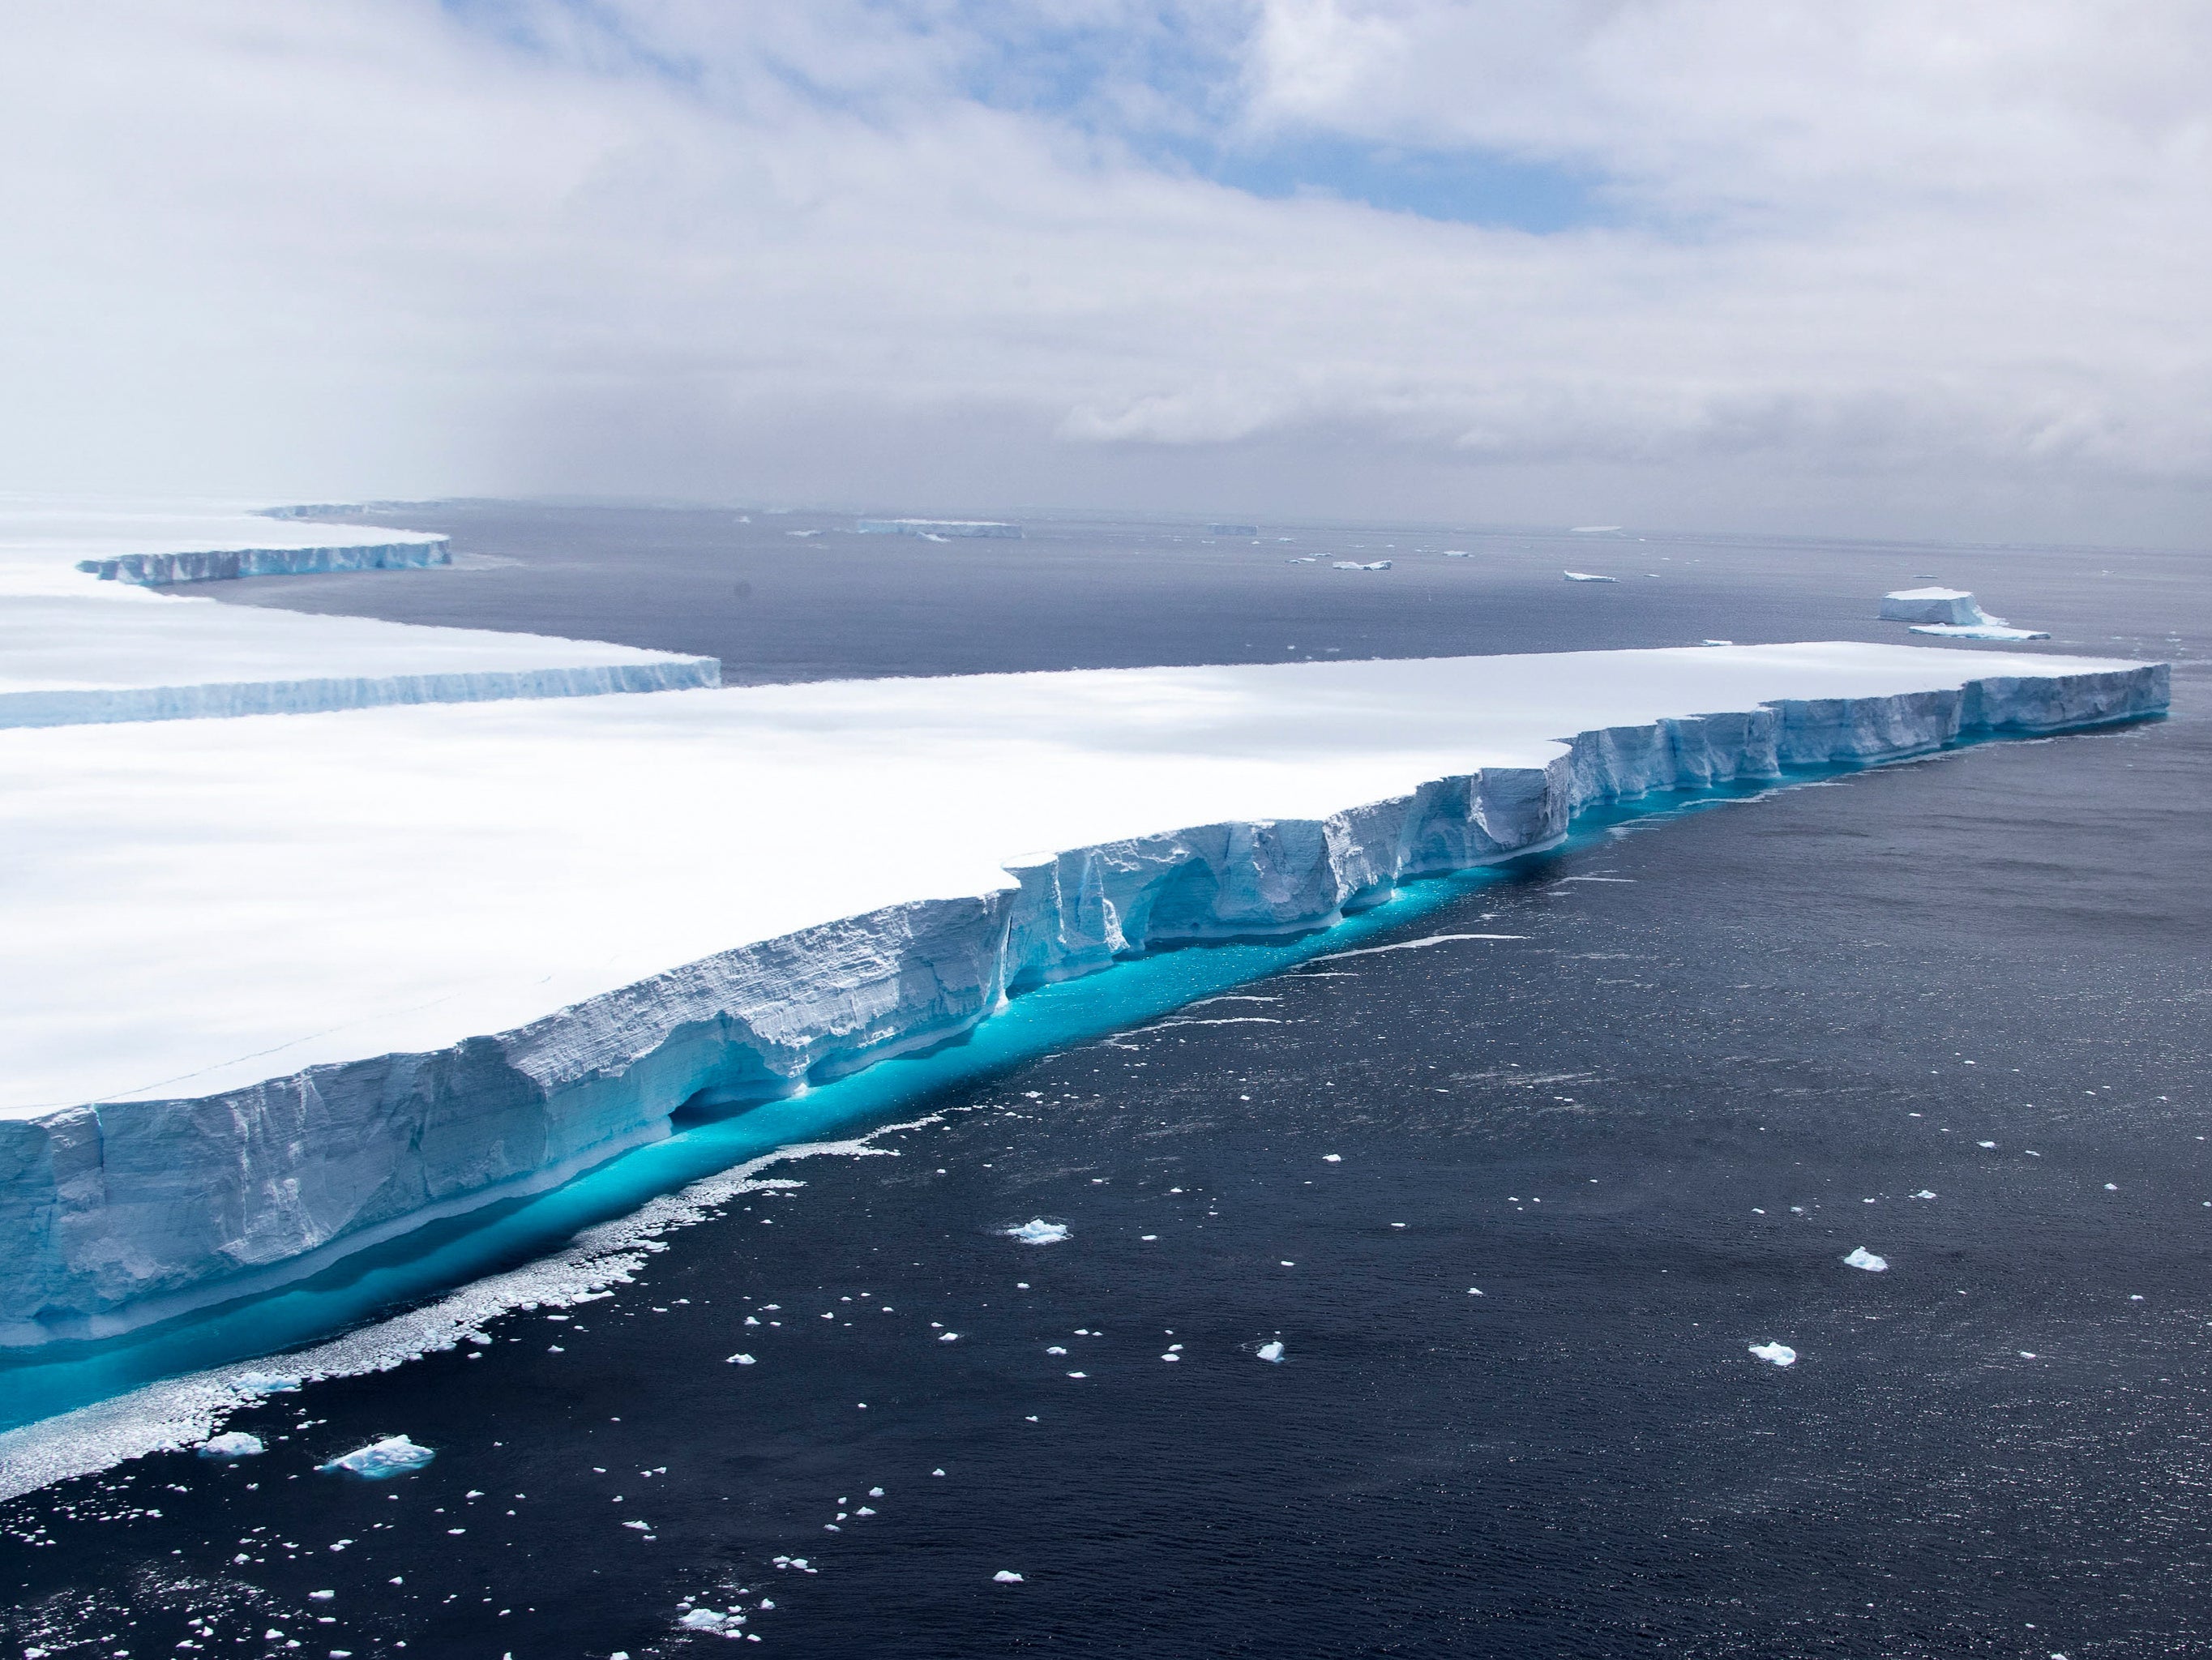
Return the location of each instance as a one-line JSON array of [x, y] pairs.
[[82, 640], [324, 972]]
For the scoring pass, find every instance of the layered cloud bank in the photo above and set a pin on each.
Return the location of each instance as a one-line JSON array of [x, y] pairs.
[[1798, 267], [487, 944]]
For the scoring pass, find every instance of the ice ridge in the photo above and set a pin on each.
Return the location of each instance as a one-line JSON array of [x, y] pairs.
[[115, 1214]]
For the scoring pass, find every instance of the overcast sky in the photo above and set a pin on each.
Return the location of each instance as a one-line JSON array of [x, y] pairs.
[[1864, 266]]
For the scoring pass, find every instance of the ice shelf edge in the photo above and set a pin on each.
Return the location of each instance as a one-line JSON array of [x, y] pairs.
[[115, 1215]]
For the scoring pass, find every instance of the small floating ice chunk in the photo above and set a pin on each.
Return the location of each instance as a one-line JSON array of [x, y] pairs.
[[1585, 576], [1271, 1352], [1037, 1231], [950, 1337], [705, 1620], [395, 1454], [1925, 1193], [1332, 1159], [738, 1360], [1005, 1578], [1861, 1258], [236, 1443], [1986, 1144], [1775, 1354], [1353, 564]]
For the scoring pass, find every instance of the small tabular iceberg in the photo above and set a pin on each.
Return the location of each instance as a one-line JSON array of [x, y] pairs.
[[395, 1454], [1585, 576], [1950, 614]]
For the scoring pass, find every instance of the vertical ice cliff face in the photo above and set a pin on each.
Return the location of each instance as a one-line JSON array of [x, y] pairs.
[[417, 551], [114, 1214]]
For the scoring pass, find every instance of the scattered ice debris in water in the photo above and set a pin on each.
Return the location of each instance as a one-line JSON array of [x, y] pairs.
[[1986, 1144], [1473, 1292], [1457, 553], [1004, 1577], [1775, 1354], [237, 1443], [1861, 1258], [320, 1595], [395, 1454], [2027, 1354], [264, 1383], [1037, 1231], [1147, 1237], [1079, 1374], [875, 1492], [1332, 1159], [1171, 1357], [950, 1337], [1925, 1193], [1353, 564], [1056, 1349], [738, 1360], [1288, 1264], [1271, 1352], [1585, 576], [937, 1472], [2112, 1187]]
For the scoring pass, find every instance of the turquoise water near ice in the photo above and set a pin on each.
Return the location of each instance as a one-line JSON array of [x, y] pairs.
[[453, 1251]]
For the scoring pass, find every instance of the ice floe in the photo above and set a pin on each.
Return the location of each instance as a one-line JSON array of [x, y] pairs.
[[1037, 1231], [233, 1444], [395, 1454], [1775, 1354], [1861, 1258]]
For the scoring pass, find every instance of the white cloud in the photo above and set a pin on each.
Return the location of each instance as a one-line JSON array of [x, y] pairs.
[[1882, 267]]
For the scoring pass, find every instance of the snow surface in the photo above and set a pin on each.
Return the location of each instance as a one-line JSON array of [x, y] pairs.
[[76, 647], [510, 938]]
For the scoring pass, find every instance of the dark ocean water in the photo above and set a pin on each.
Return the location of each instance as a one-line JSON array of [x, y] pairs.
[[1728, 1044]]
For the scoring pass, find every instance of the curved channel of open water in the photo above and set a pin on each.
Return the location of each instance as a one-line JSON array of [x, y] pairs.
[[1724, 1046]]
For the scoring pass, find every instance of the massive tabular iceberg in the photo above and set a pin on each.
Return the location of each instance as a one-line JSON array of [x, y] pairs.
[[491, 944], [84, 640]]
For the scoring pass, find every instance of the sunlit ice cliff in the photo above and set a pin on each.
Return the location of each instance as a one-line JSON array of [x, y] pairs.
[[286, 984]]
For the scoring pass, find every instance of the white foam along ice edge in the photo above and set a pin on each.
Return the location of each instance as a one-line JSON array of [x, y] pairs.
[[400, 1026], [1775, 1354], [185, 1411], [85, 640], [380, 1461]]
